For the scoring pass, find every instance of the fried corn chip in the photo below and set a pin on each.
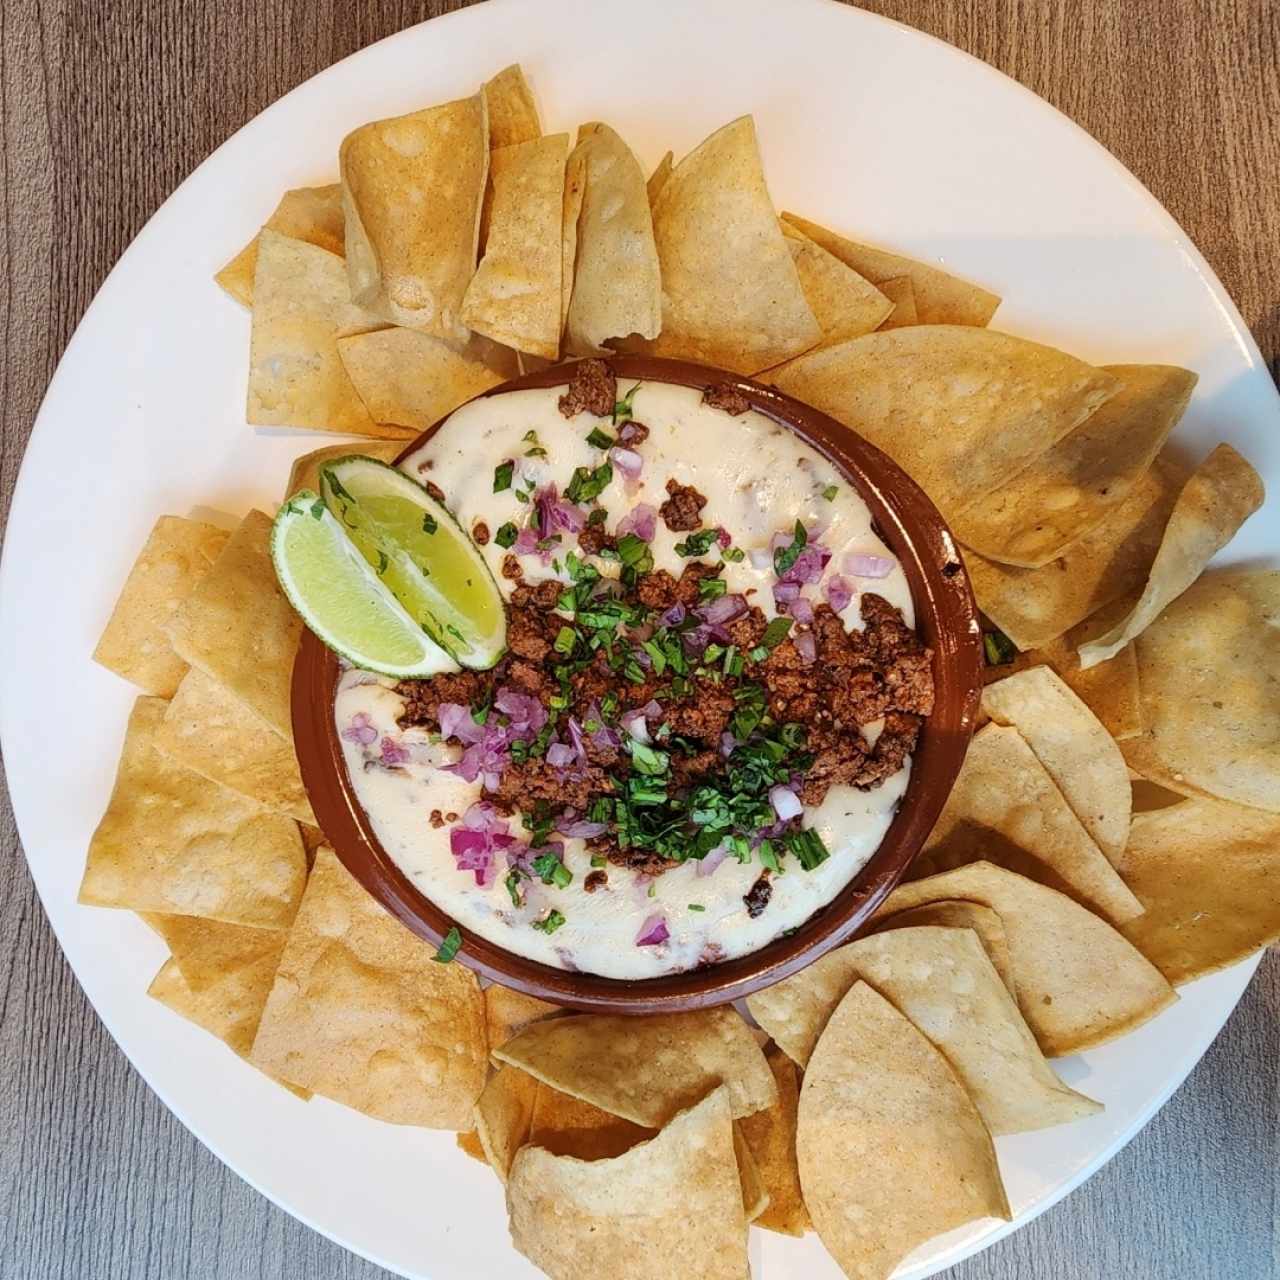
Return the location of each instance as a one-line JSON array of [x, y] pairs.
[[964, 915], [771, 1136], [575, 181], [846, 305], [900, 291], [507, 1013], [502, 1115], [207, 951], [513, 114], [567, 1126], [755, 1198], [658, 178]]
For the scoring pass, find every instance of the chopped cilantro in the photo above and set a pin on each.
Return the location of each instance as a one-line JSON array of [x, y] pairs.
[[588, 483], [429, 524], [830, 492], [698, 543], [552, 871], [775, 633], [1000, 650], [768, 858], [598, 860], [565, 639], [711, 588], [535, 449], [636, 556], [506, 535], [622, 409], [808, 847], [502, 474], [696, 906], [550, 922], [732, 553], [449, 947], [785, 557], [514, 887], [599, 439]]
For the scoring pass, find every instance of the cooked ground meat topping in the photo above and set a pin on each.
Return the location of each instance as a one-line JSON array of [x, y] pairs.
[[724, 395], [757, 897], [480, 533], [682, 511], [593, 389]]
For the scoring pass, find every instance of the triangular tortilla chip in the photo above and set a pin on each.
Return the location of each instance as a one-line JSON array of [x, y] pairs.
[[513, 114], [900, 291], [845, 305], [412, 188], [575, 183], [507, 1013], [755, 1198], [939, 298], [961, 409], [891, 1149], [362, 1013], [731, 296], [238, 628], [1070, 741], [515, 295], [646, 1069], [305, 472], [503, 1112], [313, 214], [964, 915], [1006, 808], [1080, 983], [1066, 491], [469, 1142], [1210, 697], [771, 1135], [1208, 874], [175, 842], [658, 178], [207, 951], [300, 307], [1222, 493], [567, 1126], [135, 643], [942, 980], [671, 1206], [616, 285]]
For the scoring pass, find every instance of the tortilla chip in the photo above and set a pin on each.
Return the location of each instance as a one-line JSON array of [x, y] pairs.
[[469, 1141], [942, 980], [1066, 491], [412, 188], [238, 628], [755, 1199], [900, 291], [305, 471], [962, 410], [670, 1206], [1035, 606], [771, 1136], [940, 298], [1005, 808], [206, 951], [964, 915], [1207, 668], [731, 295], [135, 643], [646, 1069], [503, 1112], [616, 286], [1209, 876], [1080, 983], [891, 1149], [515, 295], [1076, 751], [230, 1011], [312, 839], [1222, 493], [513, 114], [362, 1013], [175, 842], [210, 731], [313, 214], [410, 380], [507, 1013], [567, 1126], [845, 305], [575, 180], [658, 178]]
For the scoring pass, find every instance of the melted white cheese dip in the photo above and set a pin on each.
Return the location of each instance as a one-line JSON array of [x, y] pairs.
[[758, 478]]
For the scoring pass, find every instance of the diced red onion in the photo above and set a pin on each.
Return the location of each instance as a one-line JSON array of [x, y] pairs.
[[556, 515], [393, 752], [581, 829], [526, 713], [628, 432], [560, 755], [456, 721], [481, 834], [728, 744], [708, 864], [786, 804], [806, 646], [866, 566], [526, 543], [633, 722], [575, 736], [652, 709], [802, 610], [653, 932], [641, 520], [785, 593], [361, 730], [725, 609], [839, 592], [723, 537], [674, 616], [605, 737], [809, 564], [628, 461]]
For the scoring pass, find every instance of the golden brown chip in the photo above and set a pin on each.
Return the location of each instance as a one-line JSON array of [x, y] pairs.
[[300, 309], [305, 471], [1035, 606], [1208, 874], [515, 295], [961, 409], [658, 178], [755, 1197], [939, 298], [616, 288], [412, 188], [1076, 750], [410, 380], [513, 114], [670, 1206], [900, 291], [313, 214], [209, 730], [362, 1013], [238, 628], [1079, 982], [891, 1149], [964, 915], [575, 181], [1005, 808], [1066, 491], [312, 839], [206, 951], [943, 981], [502, 1115], [567, 1126], [646, 1069], [845, 305], [135, 643], [1222, 493], [771, 1136], [175, 842], [1210, 697], [731, 295], [469, 1141], [507, 1013]]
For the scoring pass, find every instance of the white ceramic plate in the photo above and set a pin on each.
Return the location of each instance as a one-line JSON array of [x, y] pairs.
[[865, 125]]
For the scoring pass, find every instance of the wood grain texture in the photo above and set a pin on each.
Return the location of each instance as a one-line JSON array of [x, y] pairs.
[[106, 106]]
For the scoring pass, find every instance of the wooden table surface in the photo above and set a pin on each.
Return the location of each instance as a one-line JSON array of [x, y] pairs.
[[107, 106]]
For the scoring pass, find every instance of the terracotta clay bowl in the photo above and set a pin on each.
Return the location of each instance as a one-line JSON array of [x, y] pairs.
[[946, 617]]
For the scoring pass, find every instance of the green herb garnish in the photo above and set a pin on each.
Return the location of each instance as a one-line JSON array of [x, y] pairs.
[[711, 588], [696, 906], [588, 483], [1000, 650], [808, 847], [550, 922], [830, 492], [785, 557], [502, 474], [449, 947], [732, 553], [552, 871], [535, 449], [697, 544], [429, 524], [506, 535], [514, 888], [622, 409], [775, 633], [599, 439]]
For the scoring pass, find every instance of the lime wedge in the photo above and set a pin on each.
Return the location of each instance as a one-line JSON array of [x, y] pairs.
[[340, 597], [421, 555]]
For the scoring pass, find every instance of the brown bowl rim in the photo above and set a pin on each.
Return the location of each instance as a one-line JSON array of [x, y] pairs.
[[946, 616]]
